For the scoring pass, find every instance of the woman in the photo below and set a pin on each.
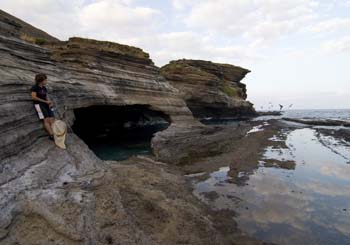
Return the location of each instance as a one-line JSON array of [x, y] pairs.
[[42, 103]]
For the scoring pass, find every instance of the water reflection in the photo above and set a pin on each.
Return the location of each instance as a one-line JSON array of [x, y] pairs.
[[307, 205]]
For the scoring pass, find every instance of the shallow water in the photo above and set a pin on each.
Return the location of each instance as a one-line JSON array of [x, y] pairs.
[[129, 143], [307, 205], [115, 150]]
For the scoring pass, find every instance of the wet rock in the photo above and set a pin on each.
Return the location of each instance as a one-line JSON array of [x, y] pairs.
[[212, 195], [342, 135], [185, 145], [273, 163], [319, 122], [269, 113]]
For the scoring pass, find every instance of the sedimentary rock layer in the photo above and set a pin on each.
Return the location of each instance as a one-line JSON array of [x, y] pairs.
[[54, 196], [210, 89], [81, 73], [51, 196], [14, 27]]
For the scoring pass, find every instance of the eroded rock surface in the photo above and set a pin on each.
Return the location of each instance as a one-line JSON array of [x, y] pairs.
[[187, 144], [80, 75], [54, 196], [210, 89], [70, 197]]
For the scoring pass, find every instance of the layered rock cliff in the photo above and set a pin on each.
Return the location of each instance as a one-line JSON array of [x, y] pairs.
[[81, 73], [54, 196], [14, 27], [50, 196], [211, 90]]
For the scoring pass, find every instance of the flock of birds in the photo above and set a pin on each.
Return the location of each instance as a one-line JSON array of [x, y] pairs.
[[271, 106]]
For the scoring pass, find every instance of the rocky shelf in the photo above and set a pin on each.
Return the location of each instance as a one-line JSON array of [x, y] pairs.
[[319, 122]]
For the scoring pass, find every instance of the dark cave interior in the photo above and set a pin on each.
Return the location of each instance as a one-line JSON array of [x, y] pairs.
[[118, 132]]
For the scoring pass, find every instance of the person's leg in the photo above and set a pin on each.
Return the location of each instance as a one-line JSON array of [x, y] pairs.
[[51, 121], [47, 125], [47, 119]]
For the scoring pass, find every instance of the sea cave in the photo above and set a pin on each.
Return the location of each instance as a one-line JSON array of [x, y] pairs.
[[118, 132]]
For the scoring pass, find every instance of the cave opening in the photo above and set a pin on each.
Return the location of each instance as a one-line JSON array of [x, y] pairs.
[[118, 132]]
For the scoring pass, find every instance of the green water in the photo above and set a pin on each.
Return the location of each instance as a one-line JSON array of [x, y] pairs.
[[129, 142], [116, 150]]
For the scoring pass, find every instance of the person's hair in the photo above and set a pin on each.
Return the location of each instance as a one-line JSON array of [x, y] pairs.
[[39, 78]]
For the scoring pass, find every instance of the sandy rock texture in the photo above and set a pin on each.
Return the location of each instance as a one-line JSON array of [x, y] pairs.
[[210, 89]]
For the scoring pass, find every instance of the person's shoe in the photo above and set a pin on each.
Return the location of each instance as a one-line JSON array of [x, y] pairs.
[[51, 138]]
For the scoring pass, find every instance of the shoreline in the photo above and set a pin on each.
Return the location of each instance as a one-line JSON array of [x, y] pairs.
[[265, 155]]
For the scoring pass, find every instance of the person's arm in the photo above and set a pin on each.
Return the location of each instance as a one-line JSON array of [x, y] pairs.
[[35, 98], [49, 101]]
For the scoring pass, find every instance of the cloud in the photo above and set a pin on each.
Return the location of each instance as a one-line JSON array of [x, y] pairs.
[[324, 188], [340, 171], [337, 45], [110, 18], [182, 4], [178, 45], [58, 17], [121, 21], [254, 19], [104, 19], [222, 30], [271, 197], [330, 25]]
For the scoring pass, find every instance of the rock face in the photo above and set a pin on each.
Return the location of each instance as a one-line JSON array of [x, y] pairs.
[[54, 196], [81, 73], [13, 27], [210, 89]]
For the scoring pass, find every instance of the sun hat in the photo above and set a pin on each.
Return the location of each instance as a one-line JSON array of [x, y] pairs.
[[59, 129]]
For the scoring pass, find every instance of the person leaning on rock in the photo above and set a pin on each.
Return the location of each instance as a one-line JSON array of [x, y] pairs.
[[42, 103]]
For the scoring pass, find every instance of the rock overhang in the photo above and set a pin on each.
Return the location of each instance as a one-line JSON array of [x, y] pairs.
[[211, 90], [113, 81]]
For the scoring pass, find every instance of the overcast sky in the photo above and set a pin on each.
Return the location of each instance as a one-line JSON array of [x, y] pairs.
[[298, 50]]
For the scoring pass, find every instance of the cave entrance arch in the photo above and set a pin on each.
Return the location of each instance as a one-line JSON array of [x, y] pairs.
[[118, 132]]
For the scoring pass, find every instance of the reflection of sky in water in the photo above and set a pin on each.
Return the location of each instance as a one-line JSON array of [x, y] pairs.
[[256, 129], [308, 205]]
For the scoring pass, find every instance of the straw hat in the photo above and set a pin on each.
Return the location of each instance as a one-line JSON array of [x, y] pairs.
[[59, 129]]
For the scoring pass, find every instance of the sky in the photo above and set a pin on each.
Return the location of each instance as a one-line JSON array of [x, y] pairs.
[[298, 50]]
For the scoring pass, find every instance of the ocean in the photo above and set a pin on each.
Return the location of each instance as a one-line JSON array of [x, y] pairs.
[[341, 114], [338, 114]]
